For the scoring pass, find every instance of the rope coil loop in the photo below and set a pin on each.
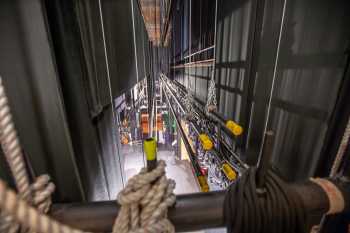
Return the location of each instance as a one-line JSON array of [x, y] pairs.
[[144, 205], [29, 217], [42, 190], [145, 201], [277, 209]]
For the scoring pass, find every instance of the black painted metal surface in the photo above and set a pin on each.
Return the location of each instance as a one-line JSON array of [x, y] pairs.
[[191, 212], [84, 80], [293, 51], [309, 73]]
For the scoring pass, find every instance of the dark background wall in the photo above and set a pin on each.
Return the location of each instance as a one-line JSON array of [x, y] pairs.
[[100, 50], [292, 51]]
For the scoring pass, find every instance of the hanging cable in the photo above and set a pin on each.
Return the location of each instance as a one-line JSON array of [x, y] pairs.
[[211, 104], [269, 105], [341, 151], [273, 209]]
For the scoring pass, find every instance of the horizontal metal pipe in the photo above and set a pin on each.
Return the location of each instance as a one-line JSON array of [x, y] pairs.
[[192, 211]]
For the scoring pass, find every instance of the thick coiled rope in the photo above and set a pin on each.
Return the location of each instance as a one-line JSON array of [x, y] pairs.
[[7, 224], [274, 209], [39, 193], [42, 190], [11, 147], [27, 216], [145, 201], [14, 157]]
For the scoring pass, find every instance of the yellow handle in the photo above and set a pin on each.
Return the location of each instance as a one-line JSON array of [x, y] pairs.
[[229, 172], [150, 148], [207, 144], [203, 183], [235, 128]]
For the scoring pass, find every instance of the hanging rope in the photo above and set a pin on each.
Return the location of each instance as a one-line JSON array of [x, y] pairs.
[[42, 190], [27, 216], [141, 87], [14, 157], [188, 102], [39, 193], [145, 201], [211, 104], [11, 147]]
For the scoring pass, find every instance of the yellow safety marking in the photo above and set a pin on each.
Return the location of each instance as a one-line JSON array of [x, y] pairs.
[[207, 144], [235, 128], [150, 148], [203, 183], [229, 172]]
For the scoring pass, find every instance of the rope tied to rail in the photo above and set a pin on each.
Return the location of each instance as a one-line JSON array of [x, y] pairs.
[[42, 190], [144, 204], [17, 210], [145, 201], [37, 194], [273, 209], [188, 102]]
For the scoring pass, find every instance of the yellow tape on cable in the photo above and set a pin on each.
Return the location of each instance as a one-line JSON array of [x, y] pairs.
[[235, 128], [207, 144]]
